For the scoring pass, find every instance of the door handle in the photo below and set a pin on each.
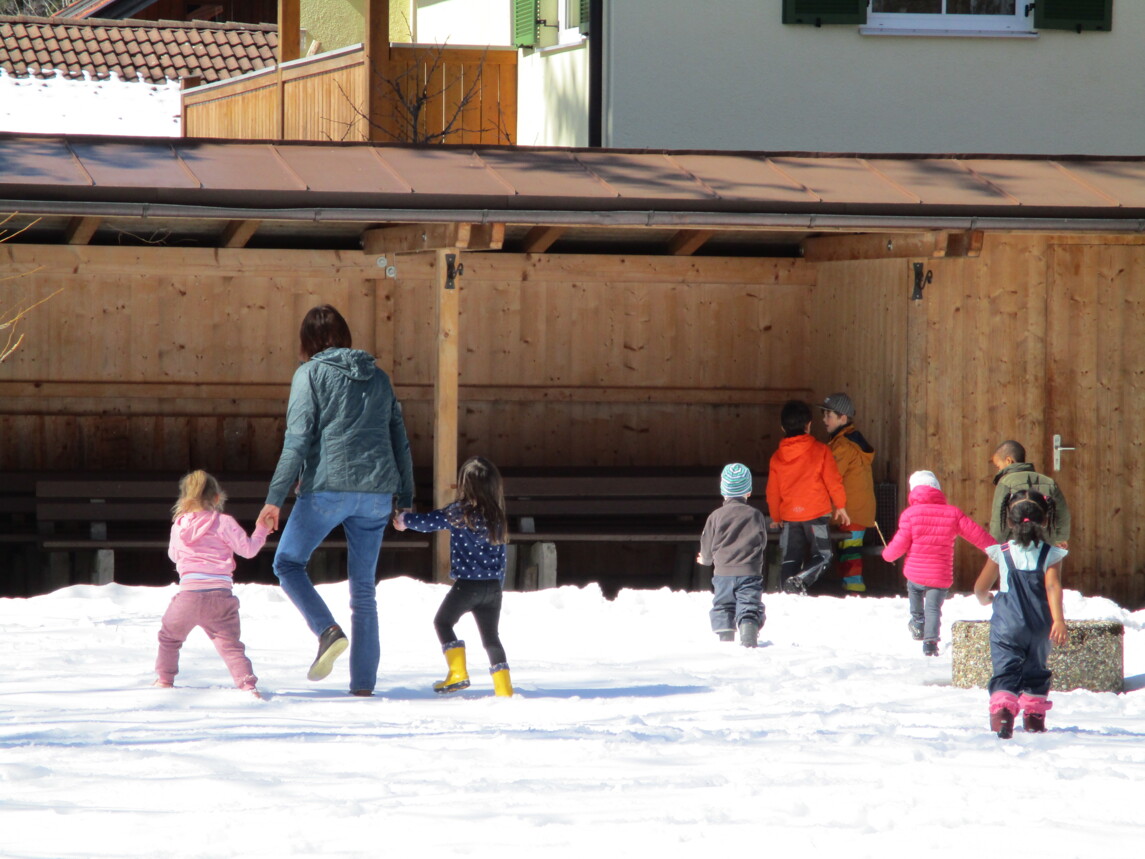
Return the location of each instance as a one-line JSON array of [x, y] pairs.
[[1058, 452]]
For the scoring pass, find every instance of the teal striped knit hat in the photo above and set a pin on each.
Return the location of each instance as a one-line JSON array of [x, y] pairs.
[[735, 481]]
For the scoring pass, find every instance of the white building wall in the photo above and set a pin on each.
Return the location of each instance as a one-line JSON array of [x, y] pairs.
[[552, 97], [464, 22], [730, 75]]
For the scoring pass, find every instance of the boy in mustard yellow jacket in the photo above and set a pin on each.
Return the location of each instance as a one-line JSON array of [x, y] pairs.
[[853, 455]]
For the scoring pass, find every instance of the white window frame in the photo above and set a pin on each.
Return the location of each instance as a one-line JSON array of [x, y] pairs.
[[944, 24], [569, 32]]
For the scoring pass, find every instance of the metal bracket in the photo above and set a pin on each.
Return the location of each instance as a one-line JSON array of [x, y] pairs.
[[920, 280], [453, 270]]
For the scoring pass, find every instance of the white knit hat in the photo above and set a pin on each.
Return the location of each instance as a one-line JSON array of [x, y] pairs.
[[924, 478]]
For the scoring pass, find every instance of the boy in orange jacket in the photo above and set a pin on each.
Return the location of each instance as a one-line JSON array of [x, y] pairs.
[[803, 488]]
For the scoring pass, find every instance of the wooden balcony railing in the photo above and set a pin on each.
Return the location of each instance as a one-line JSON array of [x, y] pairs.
[[420, 94]]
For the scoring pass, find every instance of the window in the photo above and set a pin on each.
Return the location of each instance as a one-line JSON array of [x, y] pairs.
[[950, 16], [953, 17], [548, 23]]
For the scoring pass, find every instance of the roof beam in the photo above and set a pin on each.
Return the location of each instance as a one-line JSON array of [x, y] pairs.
[[80, 230], [238, 233], [687, 242], [411, 238], [868, 246], [540, 239]]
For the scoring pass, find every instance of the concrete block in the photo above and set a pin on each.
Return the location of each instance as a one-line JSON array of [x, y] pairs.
[[1092, 658]]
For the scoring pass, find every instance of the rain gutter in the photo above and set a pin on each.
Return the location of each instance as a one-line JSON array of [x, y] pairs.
[[635, 218]]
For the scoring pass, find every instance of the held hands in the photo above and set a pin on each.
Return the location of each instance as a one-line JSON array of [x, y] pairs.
[[399, 520], [268, 517]]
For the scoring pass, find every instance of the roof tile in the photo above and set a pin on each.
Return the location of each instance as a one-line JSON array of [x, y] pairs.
[[145, 50]]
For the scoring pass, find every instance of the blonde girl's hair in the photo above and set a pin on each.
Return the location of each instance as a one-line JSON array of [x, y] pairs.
[[482, 498], [198, 491]]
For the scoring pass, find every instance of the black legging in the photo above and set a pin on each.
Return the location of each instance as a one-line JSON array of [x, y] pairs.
[[483, 598]]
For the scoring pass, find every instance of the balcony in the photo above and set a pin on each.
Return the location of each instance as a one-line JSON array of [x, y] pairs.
[[408, 94]]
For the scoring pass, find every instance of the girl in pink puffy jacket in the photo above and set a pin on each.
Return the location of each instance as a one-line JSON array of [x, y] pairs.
[[926, 533], [204, 541]]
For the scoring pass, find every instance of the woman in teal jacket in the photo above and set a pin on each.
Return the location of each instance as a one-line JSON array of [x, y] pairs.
[[347, 453]]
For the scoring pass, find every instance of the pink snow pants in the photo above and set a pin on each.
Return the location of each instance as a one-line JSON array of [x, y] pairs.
[[217, 612]]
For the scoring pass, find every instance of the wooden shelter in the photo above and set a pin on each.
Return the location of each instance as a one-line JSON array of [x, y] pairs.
[[648, 309]]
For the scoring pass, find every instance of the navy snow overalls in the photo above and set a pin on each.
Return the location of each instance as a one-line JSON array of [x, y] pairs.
[[1020, 629]]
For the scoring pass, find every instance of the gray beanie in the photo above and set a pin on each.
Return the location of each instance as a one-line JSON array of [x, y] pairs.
[[735, 481], [840, 404]]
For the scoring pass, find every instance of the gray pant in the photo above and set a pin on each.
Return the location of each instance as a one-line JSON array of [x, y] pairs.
[[926, 609], [736, 598]]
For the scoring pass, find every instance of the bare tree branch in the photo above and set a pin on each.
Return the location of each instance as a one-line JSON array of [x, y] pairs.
[[11, 317]]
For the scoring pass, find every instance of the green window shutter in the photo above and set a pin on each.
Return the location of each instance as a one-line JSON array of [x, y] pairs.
[[1073, 15], [585, 11], [819, 12], [524, 23]]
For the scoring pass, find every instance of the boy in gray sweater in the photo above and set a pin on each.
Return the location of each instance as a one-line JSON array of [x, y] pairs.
[[734, 539]]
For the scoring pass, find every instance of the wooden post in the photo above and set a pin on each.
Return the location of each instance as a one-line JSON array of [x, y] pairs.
[[377, 49], [445, 404], [289, 48]]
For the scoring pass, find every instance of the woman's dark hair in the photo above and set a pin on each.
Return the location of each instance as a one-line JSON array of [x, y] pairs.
[[1029, 515], [482, 498], [323, 328]]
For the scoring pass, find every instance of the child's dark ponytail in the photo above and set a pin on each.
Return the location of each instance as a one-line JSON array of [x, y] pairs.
[[1029, 517], [482, 498]]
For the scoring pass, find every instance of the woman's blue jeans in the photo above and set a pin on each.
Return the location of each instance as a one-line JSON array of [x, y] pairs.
[[363, 516]]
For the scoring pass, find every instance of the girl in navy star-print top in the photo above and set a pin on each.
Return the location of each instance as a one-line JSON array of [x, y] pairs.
[[478, 531]]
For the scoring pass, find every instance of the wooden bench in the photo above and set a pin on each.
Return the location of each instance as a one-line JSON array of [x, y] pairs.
[[18, 507], [550, 507], [110, 513]]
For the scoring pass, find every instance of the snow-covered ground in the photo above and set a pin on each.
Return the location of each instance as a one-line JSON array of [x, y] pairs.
[[59, 105], [633, 732]]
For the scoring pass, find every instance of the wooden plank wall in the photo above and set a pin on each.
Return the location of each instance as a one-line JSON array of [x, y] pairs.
[[1039, 335], [608, 360], [161, 358], [859, 346], [1095, 371], [164, 359]]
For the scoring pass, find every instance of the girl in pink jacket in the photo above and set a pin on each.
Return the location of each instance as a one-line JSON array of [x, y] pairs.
[[926, 533], [204, 541]]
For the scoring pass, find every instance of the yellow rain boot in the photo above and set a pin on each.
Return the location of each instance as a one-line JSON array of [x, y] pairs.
[[502, 685], [458, 677]]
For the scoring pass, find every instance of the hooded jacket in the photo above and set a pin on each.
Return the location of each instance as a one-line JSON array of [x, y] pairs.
[[1018, 476], [204, 544], [344, 431], [803, 481], [854, 454], [734, 539], [926, 533]]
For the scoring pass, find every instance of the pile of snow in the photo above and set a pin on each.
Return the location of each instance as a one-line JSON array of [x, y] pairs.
[[633, 729], [60, 105]]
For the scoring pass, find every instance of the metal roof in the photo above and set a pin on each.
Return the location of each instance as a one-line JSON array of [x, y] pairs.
[[356, 184]]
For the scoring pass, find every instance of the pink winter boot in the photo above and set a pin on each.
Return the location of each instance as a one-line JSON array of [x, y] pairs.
[[1003, 708], [1034, 709]]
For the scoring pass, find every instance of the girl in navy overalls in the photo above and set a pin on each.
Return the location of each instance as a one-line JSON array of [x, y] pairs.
[[478, 532], [1027, 615]]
